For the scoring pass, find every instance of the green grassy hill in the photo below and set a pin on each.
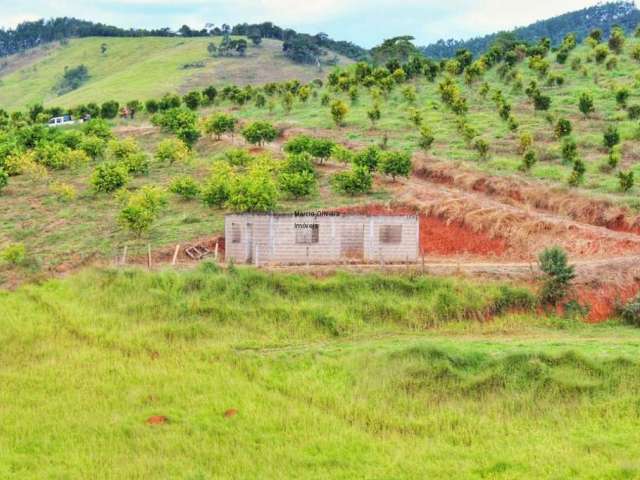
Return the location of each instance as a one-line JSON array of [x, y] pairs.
[[139, 68]]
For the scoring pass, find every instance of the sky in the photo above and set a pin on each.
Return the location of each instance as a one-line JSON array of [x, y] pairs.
[[365, 22]]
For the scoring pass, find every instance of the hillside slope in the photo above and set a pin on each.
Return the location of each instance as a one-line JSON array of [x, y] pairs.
[[139, 68], [581, 22]]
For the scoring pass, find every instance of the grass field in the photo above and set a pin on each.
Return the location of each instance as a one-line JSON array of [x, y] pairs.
[[139, 68], [341, 377]]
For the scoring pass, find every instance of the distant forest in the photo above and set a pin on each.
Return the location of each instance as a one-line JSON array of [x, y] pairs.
[[300, 47], [581, 22], [305, 48]]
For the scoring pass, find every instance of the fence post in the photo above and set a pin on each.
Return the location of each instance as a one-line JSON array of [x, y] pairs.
[[216, 251], [175, 255], [149, 255], [257, 253], [123, 260]]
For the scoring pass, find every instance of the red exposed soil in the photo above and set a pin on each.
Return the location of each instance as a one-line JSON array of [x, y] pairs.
[[157, 420], [437, 236], [603, 300], [232, 412]]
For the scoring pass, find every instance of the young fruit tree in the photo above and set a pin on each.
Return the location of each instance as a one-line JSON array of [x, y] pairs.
[[396, 163], [259, 133]]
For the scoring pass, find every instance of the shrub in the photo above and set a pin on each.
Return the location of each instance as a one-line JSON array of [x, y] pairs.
[[622, 95], [120, 149], [185, 186], [298, 144], [541, 102], [342, 154], [259, 133], [237, 157], [297, 184], [601, 52], [525, 142], [255, 191], [426, 138], [71, 138], [180, 121], [585, 104], [616, 39], [215, 191], [630, 312], [611, 137], [321, 148], [529, 159], [52, 155], [4, 179], [172, 150], [192, 100], [395, 163], [559, 274], [77, 158], [626, 180], [356, 181], [98, 128], [563, 128], [220, 123], [368, 158], [577, 174], [109, 109], [63, 191], [615, 155], [141, 209], [338, 112], [374, 113], [14, 254], [136, 163], [569, 149], [93, 146], [109, 176], [633, 111], [482, 147], [298, 163], [151, 106]]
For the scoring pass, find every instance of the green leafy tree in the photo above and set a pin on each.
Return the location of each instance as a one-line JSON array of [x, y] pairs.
[[356, 181], [321, 148], [184, 186], [616, 39], [216, 189], [298, 144], [255, 191], [220, 123], [192, 100], [109, 109], [259, 133], [142, 209], [395, 163], [297, 184], [368, 158], [622, 95], [426, 138], [558, 275], [109, 176], [374, 113], [338, 112], [172, 150]]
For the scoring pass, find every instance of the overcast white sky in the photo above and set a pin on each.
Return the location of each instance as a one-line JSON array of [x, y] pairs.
[[365, 22]]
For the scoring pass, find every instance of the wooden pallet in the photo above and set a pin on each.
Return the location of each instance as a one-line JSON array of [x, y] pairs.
[[197, 252]]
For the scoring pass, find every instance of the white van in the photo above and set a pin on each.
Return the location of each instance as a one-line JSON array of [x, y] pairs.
[[59, 121]]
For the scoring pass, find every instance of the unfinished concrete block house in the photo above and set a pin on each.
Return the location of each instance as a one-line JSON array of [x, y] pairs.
[[321, 238]]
